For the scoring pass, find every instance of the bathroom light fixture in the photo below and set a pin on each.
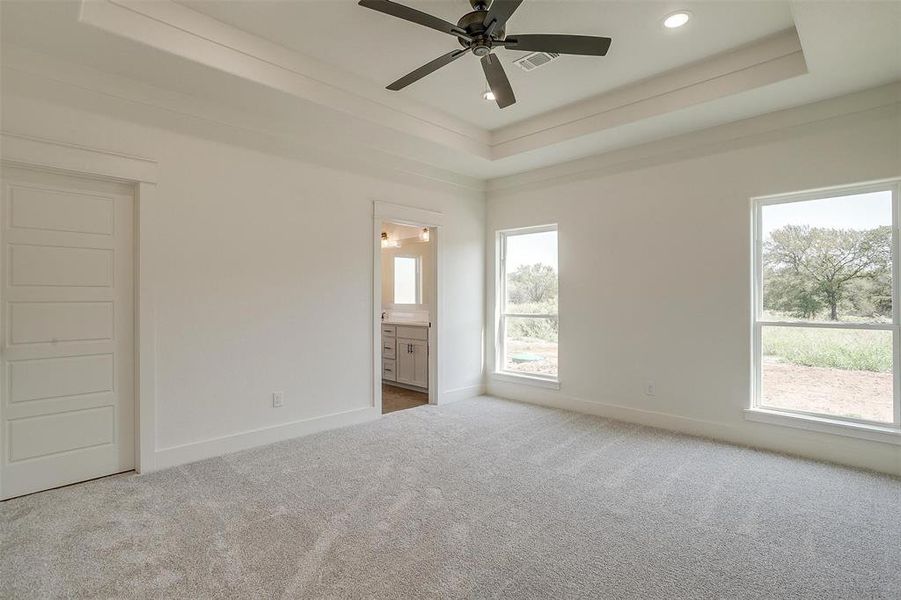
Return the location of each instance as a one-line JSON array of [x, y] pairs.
[[389, 243], [676, 19], [424, 234]]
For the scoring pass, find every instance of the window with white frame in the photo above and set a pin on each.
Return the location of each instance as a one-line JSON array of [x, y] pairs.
[[527, 302], [826, 314], [407, 284]]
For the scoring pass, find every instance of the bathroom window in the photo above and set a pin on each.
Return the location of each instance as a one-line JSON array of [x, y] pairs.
[[407, 280]]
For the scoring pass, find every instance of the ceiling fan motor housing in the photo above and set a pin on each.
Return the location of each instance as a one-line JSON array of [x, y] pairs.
[[474, 25]]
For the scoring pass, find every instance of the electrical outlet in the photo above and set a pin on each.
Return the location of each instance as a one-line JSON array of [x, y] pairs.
[[650, 388], [278, 399]]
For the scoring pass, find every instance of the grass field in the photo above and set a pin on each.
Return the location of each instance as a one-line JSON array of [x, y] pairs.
[[859, 350]]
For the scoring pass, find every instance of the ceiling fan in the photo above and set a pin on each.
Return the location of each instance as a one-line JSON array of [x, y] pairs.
[[479, 32]]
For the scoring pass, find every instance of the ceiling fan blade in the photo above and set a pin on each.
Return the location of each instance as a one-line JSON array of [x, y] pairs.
[[497, 81], [411, 14], [498, 13], [426, 69], [561, 44]]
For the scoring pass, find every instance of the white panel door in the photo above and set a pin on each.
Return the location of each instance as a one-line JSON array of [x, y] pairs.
[[67, 360]]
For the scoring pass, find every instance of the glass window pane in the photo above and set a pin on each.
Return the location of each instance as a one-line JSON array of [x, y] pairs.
[[530, 346], [531, 273], [834, 372], [405, 283], [828, 259]]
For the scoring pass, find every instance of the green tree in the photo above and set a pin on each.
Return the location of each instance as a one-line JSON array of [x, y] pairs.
[[807, 269], [532, 284]]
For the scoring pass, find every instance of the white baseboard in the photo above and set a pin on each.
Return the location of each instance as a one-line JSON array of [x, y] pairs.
[[809, 444], [461, 393], [186, 453]]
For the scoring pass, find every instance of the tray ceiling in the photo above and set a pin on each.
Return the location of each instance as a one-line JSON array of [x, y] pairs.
[[380, 48]]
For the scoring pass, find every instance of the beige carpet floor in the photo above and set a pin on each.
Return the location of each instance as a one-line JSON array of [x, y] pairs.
[[479, 499]]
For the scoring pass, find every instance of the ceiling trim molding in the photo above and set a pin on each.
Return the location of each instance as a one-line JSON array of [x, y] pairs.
[[875, 102], [25, 72], [178, 30], [183, 32], [760, 63]]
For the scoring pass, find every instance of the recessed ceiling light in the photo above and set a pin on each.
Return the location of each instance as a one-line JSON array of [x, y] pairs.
[[677, 19]]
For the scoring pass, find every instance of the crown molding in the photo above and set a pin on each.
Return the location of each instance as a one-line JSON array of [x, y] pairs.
[[178, 30], [186, 33], [877, 102], [760, 63], [31, 74]]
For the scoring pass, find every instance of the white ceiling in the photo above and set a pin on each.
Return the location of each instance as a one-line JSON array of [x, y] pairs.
[[847, 46], [382, 48]]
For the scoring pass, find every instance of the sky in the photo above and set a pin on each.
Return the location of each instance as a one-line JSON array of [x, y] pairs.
[[532, 248], [860, 211]]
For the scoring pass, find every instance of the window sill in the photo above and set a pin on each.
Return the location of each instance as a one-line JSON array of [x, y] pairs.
[[551, 384], [887, 434]]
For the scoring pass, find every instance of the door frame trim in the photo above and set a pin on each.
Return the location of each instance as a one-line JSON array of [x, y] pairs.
[[23, 151], [417, 217]]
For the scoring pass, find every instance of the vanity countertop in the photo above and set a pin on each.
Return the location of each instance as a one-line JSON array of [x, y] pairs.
[[406, 323]]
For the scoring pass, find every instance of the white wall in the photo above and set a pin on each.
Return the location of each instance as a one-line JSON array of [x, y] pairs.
[[655, 277], [250, 293]]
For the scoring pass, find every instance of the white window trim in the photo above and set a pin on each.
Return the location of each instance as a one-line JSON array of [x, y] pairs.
[[885, 433], [499, 373], [845, 426]]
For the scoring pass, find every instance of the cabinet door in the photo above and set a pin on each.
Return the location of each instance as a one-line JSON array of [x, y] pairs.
[[405, 358], [388, 369], [420, 354]]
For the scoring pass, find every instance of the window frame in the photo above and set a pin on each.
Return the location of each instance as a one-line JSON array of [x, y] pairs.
[[417, 283], [810, 420], [501, 315]]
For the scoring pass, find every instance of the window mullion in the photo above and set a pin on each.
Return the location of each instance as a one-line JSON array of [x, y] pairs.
[[830, 325]]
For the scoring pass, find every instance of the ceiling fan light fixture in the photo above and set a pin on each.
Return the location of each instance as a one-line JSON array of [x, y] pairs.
[[677, 19], [481, 31]]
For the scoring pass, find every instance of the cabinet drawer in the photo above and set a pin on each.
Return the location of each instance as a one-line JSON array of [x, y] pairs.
[[412, 333], [388, 330], [389, 370], [388, 347]]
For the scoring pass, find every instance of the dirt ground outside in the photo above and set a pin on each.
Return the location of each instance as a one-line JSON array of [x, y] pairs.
[[838, 392], [541, 356], [786, 386]]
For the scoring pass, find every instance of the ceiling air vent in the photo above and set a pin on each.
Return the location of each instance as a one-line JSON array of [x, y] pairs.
[[535, 60]]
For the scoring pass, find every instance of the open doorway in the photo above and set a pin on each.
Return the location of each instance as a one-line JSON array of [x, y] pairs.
[[408, 299]]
